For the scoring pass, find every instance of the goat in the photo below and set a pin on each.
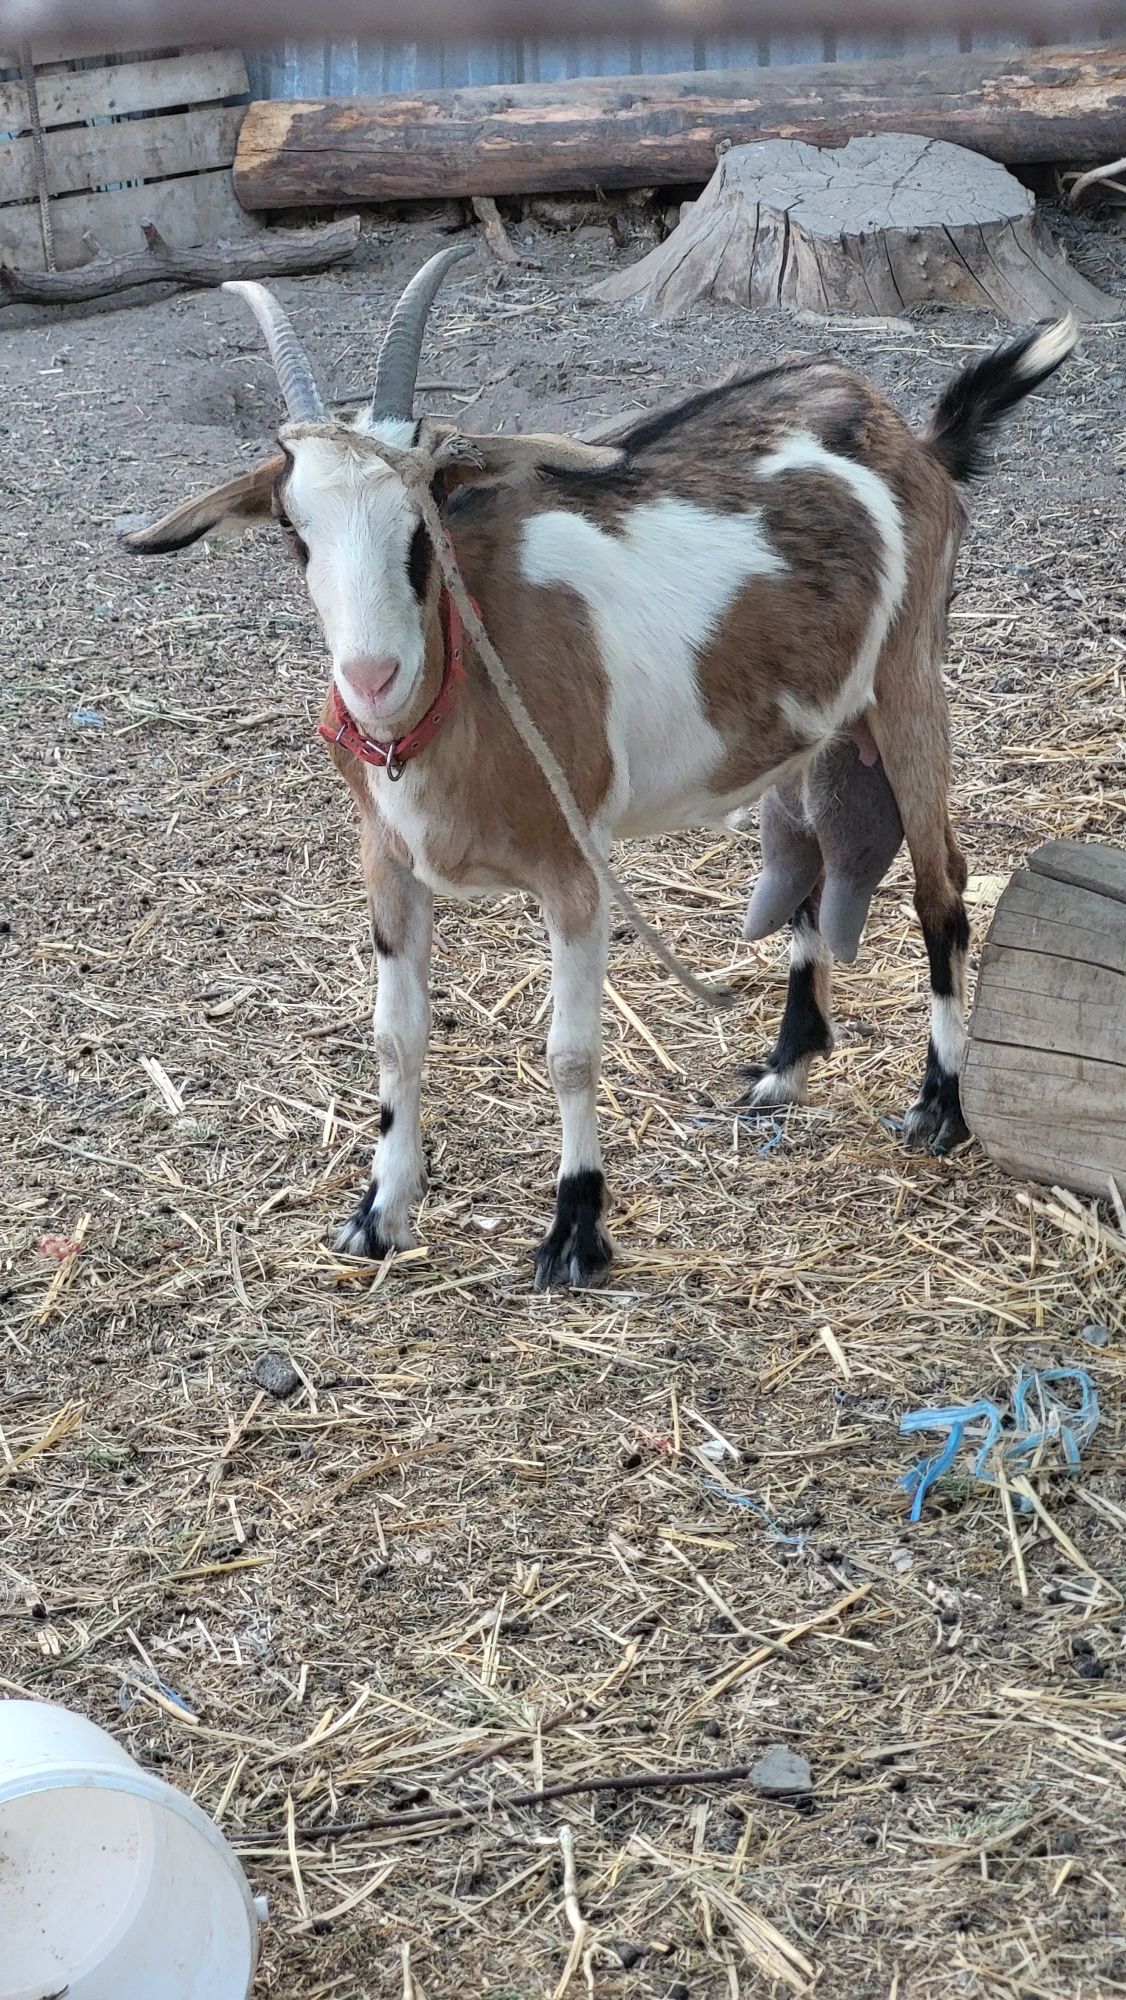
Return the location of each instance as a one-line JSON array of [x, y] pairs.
[[692, 616]]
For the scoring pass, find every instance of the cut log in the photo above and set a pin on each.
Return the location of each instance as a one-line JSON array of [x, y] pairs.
[[649, 131], [1044, 1079], [873, 227], [269, 255]]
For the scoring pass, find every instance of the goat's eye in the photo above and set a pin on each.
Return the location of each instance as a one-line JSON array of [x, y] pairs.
[[300, 548], [418, 561]]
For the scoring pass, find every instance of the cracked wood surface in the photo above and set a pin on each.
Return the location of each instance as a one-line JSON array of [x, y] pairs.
[[869, 227]]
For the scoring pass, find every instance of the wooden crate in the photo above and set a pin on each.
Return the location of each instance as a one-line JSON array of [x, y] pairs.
[[1044, 1081], [141, 136]]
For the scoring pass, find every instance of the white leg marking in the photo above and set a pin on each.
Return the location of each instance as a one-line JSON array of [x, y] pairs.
[[807, 947], [574, 1043], [804, 453], [948, 1032], [788, 1085], [781, 1086], [402, 1029]]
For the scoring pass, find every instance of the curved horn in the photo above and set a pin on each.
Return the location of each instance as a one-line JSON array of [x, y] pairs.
[[295, 376], [396, 371]]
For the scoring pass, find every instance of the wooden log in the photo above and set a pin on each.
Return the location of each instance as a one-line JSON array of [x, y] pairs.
[[268, 255], [870, 227], [615, 132], [1044, 1080]]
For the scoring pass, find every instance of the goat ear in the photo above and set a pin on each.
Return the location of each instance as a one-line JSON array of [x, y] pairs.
[[227, 510], [517, 461]]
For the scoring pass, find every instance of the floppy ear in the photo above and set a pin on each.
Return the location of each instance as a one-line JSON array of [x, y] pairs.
[[227, 510], [517, 461]]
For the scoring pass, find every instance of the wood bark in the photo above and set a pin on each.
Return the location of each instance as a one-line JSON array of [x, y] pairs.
[[266, 256], [659, 130], [1044, 1081], [871, 227]]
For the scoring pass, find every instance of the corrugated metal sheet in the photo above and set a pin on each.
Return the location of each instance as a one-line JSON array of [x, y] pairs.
[[361, 69]]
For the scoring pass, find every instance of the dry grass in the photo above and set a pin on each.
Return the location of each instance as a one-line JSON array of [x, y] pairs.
[[491, 1544]]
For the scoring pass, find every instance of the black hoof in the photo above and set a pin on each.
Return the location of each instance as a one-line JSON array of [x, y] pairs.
[[576, 1250], [361, 1236], [935, 1124]]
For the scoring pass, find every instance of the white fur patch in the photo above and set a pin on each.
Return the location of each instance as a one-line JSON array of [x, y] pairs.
[[1049, 348], [354, 517], [657, 594], [804, 453], [402, 1028], [807, 947], [574, 1042], [948, 1032], [781, 1086]]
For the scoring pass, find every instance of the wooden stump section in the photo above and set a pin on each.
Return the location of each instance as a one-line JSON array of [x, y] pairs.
[[1044, 1081], [869, 227]]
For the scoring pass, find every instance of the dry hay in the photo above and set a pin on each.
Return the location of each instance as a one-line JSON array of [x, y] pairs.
[[491, 1544]]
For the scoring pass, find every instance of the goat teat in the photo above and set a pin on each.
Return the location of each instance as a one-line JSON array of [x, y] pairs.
[[840, 822]]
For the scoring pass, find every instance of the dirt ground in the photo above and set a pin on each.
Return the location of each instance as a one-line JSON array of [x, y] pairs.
[[496, 1541]]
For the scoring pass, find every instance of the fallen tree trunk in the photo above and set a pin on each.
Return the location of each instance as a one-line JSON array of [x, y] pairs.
[[265, 256], [615, 132]]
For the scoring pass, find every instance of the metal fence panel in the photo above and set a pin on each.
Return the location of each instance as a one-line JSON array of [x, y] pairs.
[[375, 69]]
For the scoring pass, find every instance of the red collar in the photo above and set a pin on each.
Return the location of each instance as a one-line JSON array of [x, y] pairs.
[[392, 756]]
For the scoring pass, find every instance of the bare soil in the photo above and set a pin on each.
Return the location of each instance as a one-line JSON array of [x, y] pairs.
[[490, 1529]]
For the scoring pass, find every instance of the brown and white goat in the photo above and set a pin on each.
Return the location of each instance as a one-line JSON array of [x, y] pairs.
[[690, 616]]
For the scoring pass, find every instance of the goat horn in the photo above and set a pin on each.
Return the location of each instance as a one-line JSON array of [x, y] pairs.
[[396, 371], [295, 375]]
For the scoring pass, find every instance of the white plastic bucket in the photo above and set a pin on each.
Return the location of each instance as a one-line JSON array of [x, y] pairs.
[[113, 1886]]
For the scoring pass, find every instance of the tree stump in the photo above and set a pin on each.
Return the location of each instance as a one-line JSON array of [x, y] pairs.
[[1044, 1079], [869, 227]]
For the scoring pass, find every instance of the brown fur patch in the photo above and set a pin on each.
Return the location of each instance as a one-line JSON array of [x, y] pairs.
[[237, 504], [495, 823]]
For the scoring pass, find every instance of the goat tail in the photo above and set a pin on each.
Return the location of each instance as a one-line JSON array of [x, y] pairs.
[[979, 397]]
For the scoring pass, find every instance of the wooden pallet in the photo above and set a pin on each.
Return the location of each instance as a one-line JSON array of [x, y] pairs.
[[128, 138], [1044, 1082]]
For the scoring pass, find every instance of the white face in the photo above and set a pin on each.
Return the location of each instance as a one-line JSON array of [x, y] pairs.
[[354, 518]]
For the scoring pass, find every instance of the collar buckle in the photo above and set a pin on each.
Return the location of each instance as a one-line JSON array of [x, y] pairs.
[[393, 758]]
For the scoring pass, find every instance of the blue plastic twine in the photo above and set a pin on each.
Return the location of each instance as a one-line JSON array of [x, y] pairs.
[[1056, 1420]]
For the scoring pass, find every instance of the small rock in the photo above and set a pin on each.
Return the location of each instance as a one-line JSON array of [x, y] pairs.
[[780, 1773], [1095, 1335], [276, 1374], [629, 1954]]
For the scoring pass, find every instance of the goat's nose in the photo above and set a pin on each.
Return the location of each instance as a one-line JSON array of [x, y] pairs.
[[368, 677]]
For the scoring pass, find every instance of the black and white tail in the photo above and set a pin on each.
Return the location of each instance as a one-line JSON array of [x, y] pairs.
[[978, 398]]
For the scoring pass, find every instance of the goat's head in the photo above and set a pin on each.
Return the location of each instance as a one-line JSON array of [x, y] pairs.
[[343, 494]]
